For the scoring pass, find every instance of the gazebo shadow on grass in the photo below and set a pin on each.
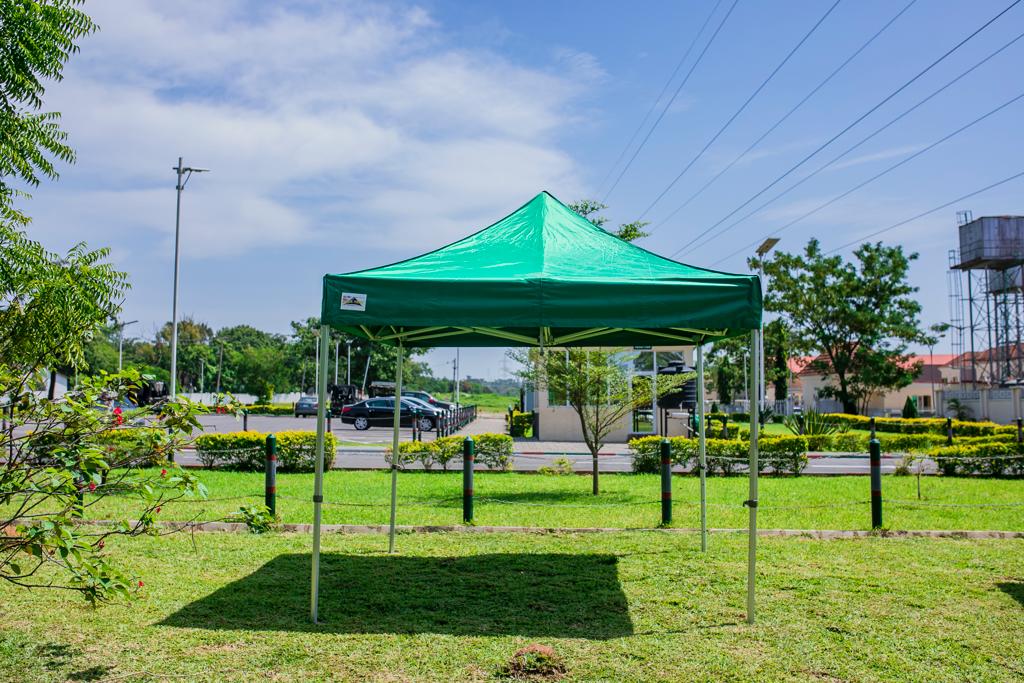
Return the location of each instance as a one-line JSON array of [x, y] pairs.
[[532, 595], [1015, 589]]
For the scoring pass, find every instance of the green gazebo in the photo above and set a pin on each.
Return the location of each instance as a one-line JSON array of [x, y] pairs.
[[543, 276]]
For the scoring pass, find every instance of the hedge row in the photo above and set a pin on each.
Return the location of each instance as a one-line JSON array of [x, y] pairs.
[[246, 451], [273, 409], [784, 454], [518, 423], [992, 459], [493, 450], [923, 425]]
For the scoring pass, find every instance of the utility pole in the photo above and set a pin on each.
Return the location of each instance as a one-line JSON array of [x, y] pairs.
[[348, 362], [120, 342], [337, 346], [220, 364], [202, 374], [457, 375], [186, 173]]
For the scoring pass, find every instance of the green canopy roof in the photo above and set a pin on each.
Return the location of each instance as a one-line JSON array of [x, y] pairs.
[[541, 276]]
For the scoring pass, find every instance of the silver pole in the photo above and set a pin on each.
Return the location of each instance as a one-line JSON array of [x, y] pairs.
[[396, 423], [751, 503], [702, 450], [318, 477], [348, 362], [174, 302], [337, 347], [456, 376], [120, 347]]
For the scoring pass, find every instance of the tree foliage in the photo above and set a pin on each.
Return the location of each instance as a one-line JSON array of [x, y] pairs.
[[591, 209], [859, 316], [37, 37], [597, 386]]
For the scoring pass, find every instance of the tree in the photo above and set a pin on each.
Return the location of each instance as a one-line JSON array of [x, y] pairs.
[[590, 208], [859, 316], [776, 348], [37, 37], [727, 360], [596, 385], [910, 408], [61, 455]]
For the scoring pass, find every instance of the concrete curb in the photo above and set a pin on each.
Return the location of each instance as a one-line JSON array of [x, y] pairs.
[[821, 534]]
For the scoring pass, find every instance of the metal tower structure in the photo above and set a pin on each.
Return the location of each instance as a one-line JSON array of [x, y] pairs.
[[985, 297]]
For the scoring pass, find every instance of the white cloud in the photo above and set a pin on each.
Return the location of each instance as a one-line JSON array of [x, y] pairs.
[[315, 119], [880, 155]]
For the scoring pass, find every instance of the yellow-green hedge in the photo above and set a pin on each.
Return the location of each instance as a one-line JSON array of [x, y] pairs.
[[246, 451]]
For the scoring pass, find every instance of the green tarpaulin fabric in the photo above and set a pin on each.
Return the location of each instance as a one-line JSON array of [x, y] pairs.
[[541, 276]]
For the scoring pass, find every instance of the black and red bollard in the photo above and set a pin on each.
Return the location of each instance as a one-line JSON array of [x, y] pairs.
[[270, 480], [666, 482], [875, 456], [467, 480]]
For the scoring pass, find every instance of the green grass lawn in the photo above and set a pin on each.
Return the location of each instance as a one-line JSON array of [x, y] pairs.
[[627, 606], [627, 500], [488, 403]]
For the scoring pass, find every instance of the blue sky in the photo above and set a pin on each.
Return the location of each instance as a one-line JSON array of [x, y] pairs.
[[345, 135]]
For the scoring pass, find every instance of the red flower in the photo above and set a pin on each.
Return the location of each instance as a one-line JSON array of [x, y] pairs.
[[117, 415], [101, 544], [157, 509], [141, 584], [92, 486], [163, 473]]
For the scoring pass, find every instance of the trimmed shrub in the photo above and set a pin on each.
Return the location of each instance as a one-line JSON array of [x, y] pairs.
[[986, 459], [909, 443], [784, 454], [411, 451], [924, 425], [446, 449], [494, 450], [132, 442], [519, 423], [246, 451], [270, 409]]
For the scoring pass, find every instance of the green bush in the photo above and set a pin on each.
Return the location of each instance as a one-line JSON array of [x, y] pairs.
[[246, 451], [519, 423], [447, 448], [411, 451], [125, 443], [909, 443], [494, 450], [784, 454], [923, 425], [270, 409], [986, 459]]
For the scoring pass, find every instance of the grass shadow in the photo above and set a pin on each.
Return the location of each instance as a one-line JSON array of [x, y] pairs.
[[535, 595], [1015, 589], [581, 497]]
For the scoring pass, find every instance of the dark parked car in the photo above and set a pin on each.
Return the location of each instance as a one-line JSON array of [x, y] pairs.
[[427, 398], [379, 412], [306, 405]]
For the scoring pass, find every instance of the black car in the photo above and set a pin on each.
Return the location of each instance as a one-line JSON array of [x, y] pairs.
[[379, 412], [306, 405], [427, 398]]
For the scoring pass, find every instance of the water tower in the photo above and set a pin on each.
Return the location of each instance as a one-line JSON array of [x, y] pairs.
[[985, 290]]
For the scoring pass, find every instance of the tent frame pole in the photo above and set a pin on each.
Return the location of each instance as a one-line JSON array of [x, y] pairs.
[[702, 462], [318, 468], [751, 503], [395, 455]]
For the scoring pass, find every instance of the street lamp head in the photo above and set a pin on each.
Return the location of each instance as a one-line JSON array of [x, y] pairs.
[[767, 246], [190, 169]]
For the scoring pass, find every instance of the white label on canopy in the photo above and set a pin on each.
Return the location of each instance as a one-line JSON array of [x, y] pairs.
[[353, 302]]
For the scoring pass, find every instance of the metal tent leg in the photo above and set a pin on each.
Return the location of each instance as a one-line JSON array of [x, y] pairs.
[[751, 503], [318, 478], [702, 449], [394, 445]]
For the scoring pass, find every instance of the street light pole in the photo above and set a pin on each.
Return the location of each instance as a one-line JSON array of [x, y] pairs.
[[184, 173], [120, 342], [348, 362], [337, 346], [762, 393]]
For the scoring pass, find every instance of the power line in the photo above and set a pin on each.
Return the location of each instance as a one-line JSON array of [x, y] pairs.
[[851, 148], [852, 124], [778, 123], [739, 111], [929, 212], [880, 174], [668, 104], [664, 89], [845, 153]]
